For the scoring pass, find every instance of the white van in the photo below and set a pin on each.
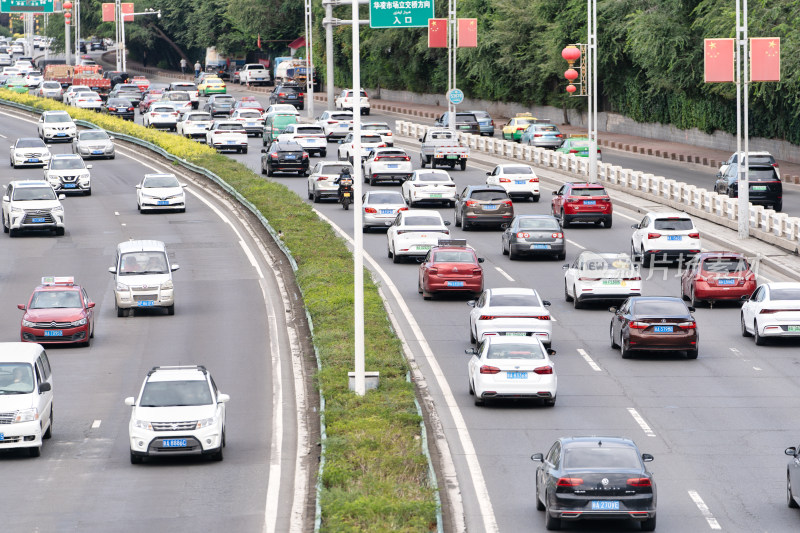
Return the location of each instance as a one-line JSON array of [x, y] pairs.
[[26, 397], [143, 277]]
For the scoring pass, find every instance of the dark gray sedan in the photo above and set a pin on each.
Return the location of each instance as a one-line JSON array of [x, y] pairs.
[[220, 104], [793, 477], [534, 235]]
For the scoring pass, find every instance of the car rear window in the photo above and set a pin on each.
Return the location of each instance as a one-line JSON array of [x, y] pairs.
[[336, 169], [660, 308], [162, 109], [310, 130], [293, 90], [184, 87], [423, 221], [579, 457], [432, 176], [785, 294], [384, 198], [518, 170], [281, 121], [674, 224], [230, 127], [373, 127], [588, 191], [515, 351], [546, 128], [514, 300], [341, 116], [224, 99], [489, 196], [197, 117], [725, 264], [453, 256], [249, 114], [539, 223], [466, 118], [371, 139], [762, 174]]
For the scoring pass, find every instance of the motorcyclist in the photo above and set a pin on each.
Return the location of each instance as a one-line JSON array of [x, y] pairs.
[[345, 183]]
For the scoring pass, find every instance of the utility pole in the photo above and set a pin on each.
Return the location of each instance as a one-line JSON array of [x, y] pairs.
[[309, 61], [329, 22], [742, 115]]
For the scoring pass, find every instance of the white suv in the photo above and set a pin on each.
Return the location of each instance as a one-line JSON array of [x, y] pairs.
[[143, 277], [179, 411], [56, 126], [346, 101], [32, 204], [665, 236], [68, 173]]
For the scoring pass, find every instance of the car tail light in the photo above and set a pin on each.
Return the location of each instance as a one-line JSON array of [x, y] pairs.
[[540, 317], [559, 135], [639, 482], [470, 203], [569, 482], [112, 108], [573, 151], [688, 325], [543, 370], [130, 109], [694, 235], [406, 158], [537, 134], [506, 202], [322, 178], [486, 317], [533, 180], [505, 180], [589, 279], [382, 145], [433, 271], [557, 235], [370, 210], [486, 369], [377, 158], [635, 278], [305, 155], [639, 325], [281, 94], [403, 209], [769, 311], [274, 156], [331, 122], [523, 235], [492, 121], [653, 235]]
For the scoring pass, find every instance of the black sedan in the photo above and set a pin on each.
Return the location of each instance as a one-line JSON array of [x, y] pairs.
[[595, 478], [284, 157], [119, 107], [534, 235], [793, 477]]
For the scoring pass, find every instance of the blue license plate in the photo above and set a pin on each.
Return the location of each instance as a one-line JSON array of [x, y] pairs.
[[541, 246], [251, 123], [96, 152], [455, 283], [392, 166], [61, 134], [2, 437], [673, 237], [53, 333], [38, 220], [490, 207], [589, 202], [69, 185], [230, 142], [387, 211], [662, 329], [605, 505], [726, 281], [292, 97], [291, 157], [519, 182], [33, 160], [174, 443], [517, 375], [146, 303], [162, 202]]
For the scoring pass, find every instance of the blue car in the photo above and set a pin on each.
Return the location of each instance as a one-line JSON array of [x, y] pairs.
[[485, 121], [543, 136]]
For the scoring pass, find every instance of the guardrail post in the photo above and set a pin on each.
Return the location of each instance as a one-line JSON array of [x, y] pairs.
[[780, 222]]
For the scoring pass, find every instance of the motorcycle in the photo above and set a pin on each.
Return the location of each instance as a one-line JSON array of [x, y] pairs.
[[345, 192]]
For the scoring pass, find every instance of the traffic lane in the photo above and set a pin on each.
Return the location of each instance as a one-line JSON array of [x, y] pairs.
[[83, 397]]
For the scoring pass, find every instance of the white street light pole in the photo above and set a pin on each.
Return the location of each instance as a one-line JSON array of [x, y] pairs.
[[309, 61], [591, 84], [742, 115], [358, 233], [452, 47], [67, 45], [76, 15], [121, 22]]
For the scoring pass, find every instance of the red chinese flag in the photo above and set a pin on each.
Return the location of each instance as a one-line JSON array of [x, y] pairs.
[[718, 55], [437, 33], [108, 12], [127, 7], [765, 59], [259, 40], [467, 33]]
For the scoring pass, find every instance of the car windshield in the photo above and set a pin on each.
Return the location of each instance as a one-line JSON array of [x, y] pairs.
[[16, 378], [58, 117], [197, 117], [518, 170], [601, 458], [26, 194], [588, 191], [725, 265], [93, 136], [175, 394], [514, 300], [515, 351], [66, 163], [432, 176], [453, 256], [489, 196], [673, 224], [385, 198], [660, 308], [55, 300], [160, 181], [785, 294], [30, 143], [544, 224], [422, 221], [137, 263]]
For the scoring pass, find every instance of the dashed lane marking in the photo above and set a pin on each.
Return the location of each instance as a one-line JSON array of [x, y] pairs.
[[701, 505], [589, 360], [503, 273], [96, 424], [640, 420]]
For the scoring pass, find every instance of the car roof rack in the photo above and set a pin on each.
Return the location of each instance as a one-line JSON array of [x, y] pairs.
[[201, 368]]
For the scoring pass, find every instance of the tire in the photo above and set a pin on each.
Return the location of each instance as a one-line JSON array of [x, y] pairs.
[[551, 523], [790, 502], [564, 220], [760, 341], [396, 258], [5, 227], [561, 256], [60, 232], [244, 150], [463, 165], [218, 456], [270, 172], [623, 351], [171, 309], [745, 333], [778, 207], [539, 504], [567, 297], [36, 451], [692, 354], [503, 246], [457, 221], [323, 153], [317, 198], [611, 337], [607, 223], [464, 225], [136, 459], [479, 402], [512, 255], [649, 524], [423, 161], [647, 259], [576, 302], [88, 192], [693, 301], [263, 170], [535, 198], [49, 433], [310, 195], [13, 232]]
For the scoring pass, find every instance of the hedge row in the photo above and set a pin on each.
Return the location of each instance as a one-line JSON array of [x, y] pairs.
[[376, 474]]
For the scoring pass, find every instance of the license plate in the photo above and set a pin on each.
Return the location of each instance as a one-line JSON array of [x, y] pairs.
[[673, 237], [60, 134], [292, 97], [38, 219], [342, 125], [53, 333], [589, 202], [422, 247], [33, 160], [387, 211], [291, 157], [519, 182], [793, 329], [174, 443], [490, 207], [95, 152], [251, 124], [230, 142], [758, 188], [517, 375], [69, 185], [162, 202], [146, 303], [611, 282], [463, 127], [436, 195], [455, 283], [516, 334], [452, 157], [392, 166], [346, 194], [540, 247], [2, 437], [604, 505], [726, 281], [662, 329]]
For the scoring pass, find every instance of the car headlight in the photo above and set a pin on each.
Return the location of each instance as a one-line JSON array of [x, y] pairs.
[[143, 424], [28, 324], [167, 285], [80, 322], [145, 195], [58, 209], [84, 176], [207, 422], [122, 287], [17, 209], [27, 415]]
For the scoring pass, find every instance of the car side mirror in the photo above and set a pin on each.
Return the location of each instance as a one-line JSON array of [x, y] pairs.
[[504, 225], [790, 451], [551, 351], [471, 303], [173, 268], [538, 457], [90, 305], [470, 351], [21, 307], [634, 226], [612, 309], [130, 401], [488, 173], [62, 196], [481, 260], [565, 267], [263, 150], [44, 387], [111, 138], [223, 398], [546, 303], [745, 298], [646, 457], [112, 270], [420, 139], [89, 167], [691, 308], [138, 185], [446, 222]]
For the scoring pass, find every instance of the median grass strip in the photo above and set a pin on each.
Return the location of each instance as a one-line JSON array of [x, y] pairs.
[[376, 474]]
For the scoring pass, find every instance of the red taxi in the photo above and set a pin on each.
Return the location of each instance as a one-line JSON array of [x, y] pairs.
[[582, 202], [153, 95], [714, 276], [452, 266], [248, 102], [141, 82], [59, 312]]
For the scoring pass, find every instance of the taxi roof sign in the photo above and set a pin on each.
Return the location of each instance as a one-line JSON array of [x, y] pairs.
[[523, 115], [58, 280]]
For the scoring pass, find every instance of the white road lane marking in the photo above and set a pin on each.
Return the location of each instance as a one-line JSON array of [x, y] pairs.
[[756, 368], [573, 243], [628, 217], [116, 213], [471, 457], [701, 505], [503, 273], [640, 420], [589, 360], [3, 136], [96, 424]]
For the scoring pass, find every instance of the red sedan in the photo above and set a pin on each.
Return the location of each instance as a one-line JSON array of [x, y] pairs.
[[714, 276], [154, 95], [451, 267], [59, 312], [582, 202]]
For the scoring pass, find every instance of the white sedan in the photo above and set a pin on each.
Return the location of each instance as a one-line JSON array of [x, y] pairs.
[[29, 151], [251, 119], [194, 124], [160, 115], [773, 310], [512, 367], [387, 164], [310, 136], [369, 142], [518, 180], [414, 232], [88, 100], [321, 180], [336, 124], [381, 208], [510, 312], [601, 276], [282, 109], [429, 186], [161, 192]]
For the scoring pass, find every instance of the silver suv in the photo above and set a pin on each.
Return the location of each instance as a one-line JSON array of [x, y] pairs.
[[142, 277]]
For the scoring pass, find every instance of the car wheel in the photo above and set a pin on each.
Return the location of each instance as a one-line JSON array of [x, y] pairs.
[[120, 312], [389, 253], [503, 247], [564, 220], [60, 232], [49, 433], [611, 336], [310, 195], [471, 390], [480, 402], [263, 170], [136, 459], [171, 309], [244, 150], [535, 198], [13, 232], [464, 224], [550, 402], [649, 524], [647, 259], [692, 354], [745, 333], [607, 223], [576, 302], [36, 451], [778, 207], [561, 256], [539, 503], [790, 501], [323, 153], [316, 198], [624, 351], [760, 341], [463, 165], [270, 171], [512, 255], [396, 258], [693, 301], [218, 456], [567, 297], [551, 523], [5, 226], [88, 192]]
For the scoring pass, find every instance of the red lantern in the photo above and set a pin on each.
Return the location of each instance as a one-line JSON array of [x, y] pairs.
[[571, 74], [67, 15], [571, 54], [67, 5], [571, 88]]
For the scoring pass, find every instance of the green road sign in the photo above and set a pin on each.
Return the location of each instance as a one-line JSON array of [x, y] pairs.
[[26, 6], [402, 14]]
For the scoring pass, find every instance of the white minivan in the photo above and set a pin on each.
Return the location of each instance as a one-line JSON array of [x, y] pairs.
[[26, 397], [142, 277]]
